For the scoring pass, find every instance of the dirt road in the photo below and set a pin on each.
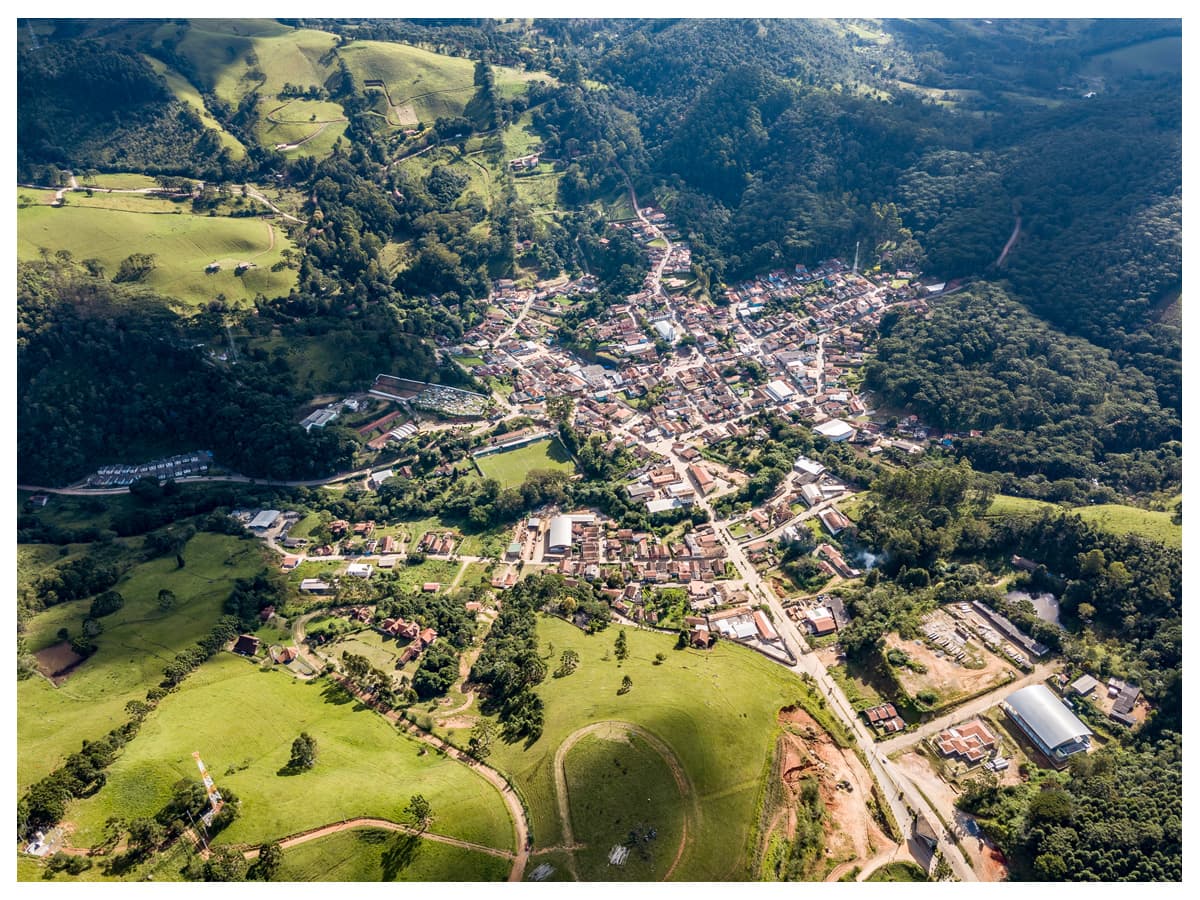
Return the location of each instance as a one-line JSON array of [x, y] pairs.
[[313, 834]]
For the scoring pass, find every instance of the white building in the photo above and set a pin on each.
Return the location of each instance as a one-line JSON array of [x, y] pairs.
[[360, 570], [1056, 730], [808, 470], [836, 430], [780, 391], [560, 539], [264, 519], [378, 478]]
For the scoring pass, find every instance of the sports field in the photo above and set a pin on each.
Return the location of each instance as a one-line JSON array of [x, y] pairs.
[[723, 736], [372, 854], [243, 719], [510, 467], [138, 640], [183, 244]]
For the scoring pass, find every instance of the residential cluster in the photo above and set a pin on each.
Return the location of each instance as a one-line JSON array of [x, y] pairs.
[[180, 466]]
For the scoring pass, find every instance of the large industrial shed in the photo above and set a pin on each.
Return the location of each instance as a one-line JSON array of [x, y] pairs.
[[1055, 730], [560, 534]]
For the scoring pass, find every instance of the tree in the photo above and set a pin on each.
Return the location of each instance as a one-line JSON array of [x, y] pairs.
[[480, 743], [270, 857], [304, 752], [568, 663], [626, 685], [145, 835], [106, 604], [225, 864], [620, 647], [166, 600], [420, 811]]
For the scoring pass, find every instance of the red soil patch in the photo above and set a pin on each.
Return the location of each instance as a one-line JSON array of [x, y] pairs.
[[57, 662]]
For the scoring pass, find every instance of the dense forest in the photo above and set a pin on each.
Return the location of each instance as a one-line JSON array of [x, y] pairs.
[[1059, 412]]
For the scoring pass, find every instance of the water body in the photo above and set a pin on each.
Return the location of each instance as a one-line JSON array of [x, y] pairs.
[[1045, 605]]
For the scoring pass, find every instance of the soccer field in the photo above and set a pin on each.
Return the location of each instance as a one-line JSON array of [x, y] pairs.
[[511, 466]]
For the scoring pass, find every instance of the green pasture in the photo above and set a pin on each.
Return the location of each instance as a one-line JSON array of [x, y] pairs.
[[510, 467], [616, 784], [382, 652], [412, 577], [183, 245], [243, 718], [137, 642], [372, 854], [721, 735]]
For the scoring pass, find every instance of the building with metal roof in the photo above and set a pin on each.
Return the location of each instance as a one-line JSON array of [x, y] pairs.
[[264, 519], [560, 535], [1055, 730]]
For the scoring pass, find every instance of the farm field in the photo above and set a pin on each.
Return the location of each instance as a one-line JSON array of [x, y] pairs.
[[243, 720], [510, 467], [138, 640], [183, 245], [372, 854], [721, 737], [616, 783]]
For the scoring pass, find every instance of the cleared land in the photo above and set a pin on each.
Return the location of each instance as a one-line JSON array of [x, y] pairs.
[[372, 854], [183, 245], [721, 735], [243, 720], [138, 640], [511, 466]]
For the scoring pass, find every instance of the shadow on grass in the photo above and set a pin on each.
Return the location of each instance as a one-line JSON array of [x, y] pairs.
[[399, 855], [334, 692]]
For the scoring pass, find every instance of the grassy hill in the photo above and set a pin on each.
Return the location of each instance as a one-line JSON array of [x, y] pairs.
[[722, 735], [110, 227], [371, 854], [138, 640], [423, 85], [243, 721], [1115, 518]]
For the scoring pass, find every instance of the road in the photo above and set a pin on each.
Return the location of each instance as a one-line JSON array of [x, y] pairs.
[[387, 825]]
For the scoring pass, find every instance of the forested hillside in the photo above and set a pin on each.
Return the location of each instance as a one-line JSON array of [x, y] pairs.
[[1053, 409]]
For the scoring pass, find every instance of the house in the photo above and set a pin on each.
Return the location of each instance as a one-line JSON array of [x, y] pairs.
[[833, 520], [431, 587], [290, 562], [820, 621], [970, 742], [247, 645], [315, 586], [1123, 706], [359, 570], [264, 614], [703, 639], [284, 655]]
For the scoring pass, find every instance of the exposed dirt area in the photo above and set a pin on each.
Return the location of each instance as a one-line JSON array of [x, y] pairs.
[[985, 858], [946, 675], [57, 662], [851, 830]]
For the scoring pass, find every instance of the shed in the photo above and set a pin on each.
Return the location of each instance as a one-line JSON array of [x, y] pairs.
[[1084, 685], [1055, 730]]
